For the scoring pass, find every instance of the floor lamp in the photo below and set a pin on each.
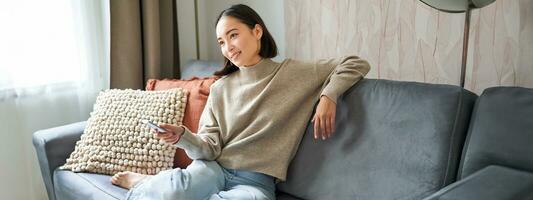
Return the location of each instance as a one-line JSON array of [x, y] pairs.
[[459, 6]]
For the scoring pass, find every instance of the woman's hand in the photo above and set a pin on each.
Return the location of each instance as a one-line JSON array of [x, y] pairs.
[[171, 136], [324, 118]]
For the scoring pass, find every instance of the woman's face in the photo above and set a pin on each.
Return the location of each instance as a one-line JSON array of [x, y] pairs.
[[238, 43]]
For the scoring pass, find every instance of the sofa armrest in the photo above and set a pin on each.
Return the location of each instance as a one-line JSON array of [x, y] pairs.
[[53, 146], [493, 182]]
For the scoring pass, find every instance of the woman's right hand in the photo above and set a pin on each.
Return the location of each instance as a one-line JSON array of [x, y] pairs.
[[171, 136]]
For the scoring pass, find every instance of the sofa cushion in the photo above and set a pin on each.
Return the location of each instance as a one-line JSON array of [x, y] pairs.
[[198, 89], [393, 140], [491, 183], [501, 130], [70, 185], [116, 139]]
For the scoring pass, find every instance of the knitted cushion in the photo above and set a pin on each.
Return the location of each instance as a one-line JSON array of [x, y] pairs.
[[116, 140]]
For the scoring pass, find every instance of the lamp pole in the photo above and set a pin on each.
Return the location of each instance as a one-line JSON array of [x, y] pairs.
[[465, 45], [457, 6]]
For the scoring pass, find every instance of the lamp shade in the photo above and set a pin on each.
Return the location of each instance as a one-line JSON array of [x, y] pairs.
[[481, 3], [456, 5]]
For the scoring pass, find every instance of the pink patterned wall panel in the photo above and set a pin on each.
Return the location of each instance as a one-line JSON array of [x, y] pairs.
[[407, 40], [501, 45]]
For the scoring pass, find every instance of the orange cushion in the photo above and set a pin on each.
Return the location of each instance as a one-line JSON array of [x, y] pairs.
[[198, 92]]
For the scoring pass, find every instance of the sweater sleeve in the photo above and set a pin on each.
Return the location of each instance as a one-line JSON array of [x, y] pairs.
[[206, 144], [338, 75]]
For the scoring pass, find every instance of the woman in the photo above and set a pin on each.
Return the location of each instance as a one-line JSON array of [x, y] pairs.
[[254, 118]]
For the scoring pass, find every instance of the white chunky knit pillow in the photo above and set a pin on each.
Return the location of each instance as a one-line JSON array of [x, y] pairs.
[[116, 140]]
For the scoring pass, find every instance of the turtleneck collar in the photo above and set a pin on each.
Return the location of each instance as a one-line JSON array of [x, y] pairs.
[[257, 71]]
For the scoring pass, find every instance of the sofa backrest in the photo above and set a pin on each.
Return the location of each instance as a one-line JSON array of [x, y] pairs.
[[501, 131], [393, 140], [199, 68]]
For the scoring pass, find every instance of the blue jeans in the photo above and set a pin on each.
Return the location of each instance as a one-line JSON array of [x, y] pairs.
[[205, 180]]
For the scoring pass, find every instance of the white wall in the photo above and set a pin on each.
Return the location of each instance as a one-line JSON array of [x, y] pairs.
[[270, 11], [186, 30]]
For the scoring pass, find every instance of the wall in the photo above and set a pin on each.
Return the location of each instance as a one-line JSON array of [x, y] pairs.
[[186, 30], [501, 45], [407, 40], [272, 13]]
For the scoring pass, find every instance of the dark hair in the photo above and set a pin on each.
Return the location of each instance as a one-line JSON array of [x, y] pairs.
[[248, 16]]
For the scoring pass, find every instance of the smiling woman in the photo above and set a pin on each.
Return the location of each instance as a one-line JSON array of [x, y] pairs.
[[254, 118], [239, 30], [53, 62]]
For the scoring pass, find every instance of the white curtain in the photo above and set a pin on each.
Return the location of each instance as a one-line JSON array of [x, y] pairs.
[[54, 59]]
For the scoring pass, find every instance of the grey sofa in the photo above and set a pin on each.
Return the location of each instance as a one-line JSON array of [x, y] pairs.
[[393, 140]]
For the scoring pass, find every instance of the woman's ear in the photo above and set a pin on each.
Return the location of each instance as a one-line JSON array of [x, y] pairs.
[[258, 31]]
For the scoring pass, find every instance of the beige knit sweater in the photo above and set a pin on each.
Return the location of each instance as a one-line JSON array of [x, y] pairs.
[[255, 117]]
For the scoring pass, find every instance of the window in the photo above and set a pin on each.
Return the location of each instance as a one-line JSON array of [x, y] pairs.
[[38, 44]]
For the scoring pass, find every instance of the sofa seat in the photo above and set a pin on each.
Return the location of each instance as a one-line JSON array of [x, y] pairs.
[[70, 185], [491, 183], [285, 196]]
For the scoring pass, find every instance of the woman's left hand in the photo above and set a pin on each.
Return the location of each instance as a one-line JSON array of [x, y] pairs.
[[324, 118]]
